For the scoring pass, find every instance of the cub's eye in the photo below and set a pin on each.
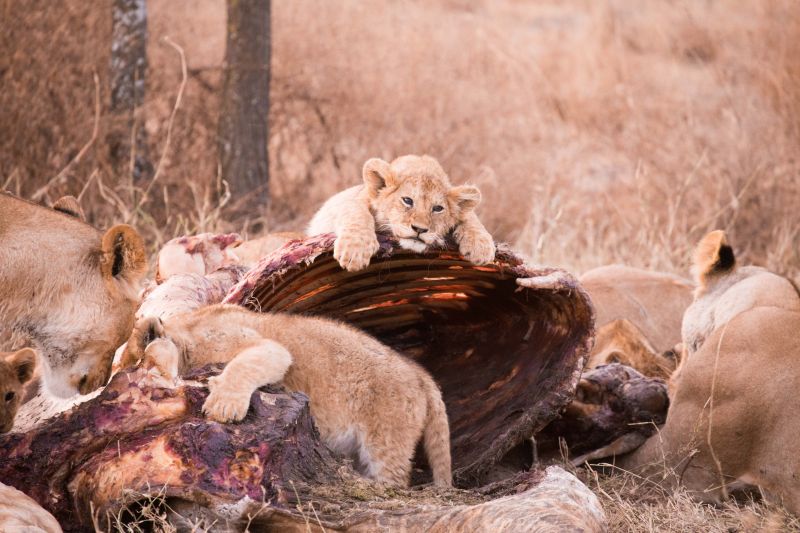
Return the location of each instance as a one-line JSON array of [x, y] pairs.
[[437, 209], [408, 201], [9, 396]]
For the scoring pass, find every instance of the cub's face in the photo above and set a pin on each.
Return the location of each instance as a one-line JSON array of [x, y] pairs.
[[412, 198], [16, 369]]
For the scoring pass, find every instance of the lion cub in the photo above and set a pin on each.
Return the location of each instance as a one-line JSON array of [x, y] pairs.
[[16, 370], [413, 199], [369, 402]]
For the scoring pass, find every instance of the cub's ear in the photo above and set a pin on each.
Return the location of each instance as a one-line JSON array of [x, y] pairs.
[[377, 174], [674, 354], [466, 197], [69, 205], [124, 257], [712, 256], [23, 363], [147, 330]]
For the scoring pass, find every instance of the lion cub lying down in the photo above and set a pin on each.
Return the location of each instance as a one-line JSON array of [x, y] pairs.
[[412, 198], [16, 370], [369, 402]]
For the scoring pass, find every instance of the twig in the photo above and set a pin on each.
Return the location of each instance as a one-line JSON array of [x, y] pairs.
[[178, 99], [75, 160], [11, 176], [92, 176]]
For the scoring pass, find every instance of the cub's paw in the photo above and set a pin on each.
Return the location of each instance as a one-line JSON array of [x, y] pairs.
[[353, 250], [224, 405], [477, 247]]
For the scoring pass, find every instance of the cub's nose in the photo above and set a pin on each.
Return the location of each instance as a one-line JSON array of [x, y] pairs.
[[418, 229]]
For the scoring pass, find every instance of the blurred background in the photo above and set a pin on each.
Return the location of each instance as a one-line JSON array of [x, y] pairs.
[[599, 131]]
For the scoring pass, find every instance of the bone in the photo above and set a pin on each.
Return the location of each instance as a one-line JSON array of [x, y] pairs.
[[196, 254]]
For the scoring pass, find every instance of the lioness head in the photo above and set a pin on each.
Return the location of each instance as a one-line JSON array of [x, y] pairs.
[[97, 314], [413, 199], [620, 341], [726, 289], [16, 369]]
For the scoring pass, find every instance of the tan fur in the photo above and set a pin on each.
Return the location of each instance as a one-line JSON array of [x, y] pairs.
[[69, 288], [369, 402], [16, 370], [69, 205], [724, 290], [653, 302], [20, 514], [355, 213], [734, 400], [622, 342], [752, 365]]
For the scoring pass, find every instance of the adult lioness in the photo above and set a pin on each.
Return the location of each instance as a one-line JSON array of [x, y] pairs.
[[69, 288], [413, 199], [734, 398]]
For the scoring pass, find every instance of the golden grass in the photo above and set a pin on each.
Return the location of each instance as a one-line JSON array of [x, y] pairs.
[[599, 131], [634, 505]]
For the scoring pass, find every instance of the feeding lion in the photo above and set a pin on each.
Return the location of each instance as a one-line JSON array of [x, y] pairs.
[[732, 417]]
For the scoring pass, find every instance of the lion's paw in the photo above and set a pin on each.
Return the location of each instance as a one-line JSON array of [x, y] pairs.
[[353, 250], [223, 405], [477, 247]]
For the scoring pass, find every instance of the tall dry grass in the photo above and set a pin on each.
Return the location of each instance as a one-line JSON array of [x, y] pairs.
[[599, 131]]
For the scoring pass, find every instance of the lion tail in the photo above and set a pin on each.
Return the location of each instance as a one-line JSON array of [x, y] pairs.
[[436, 437]]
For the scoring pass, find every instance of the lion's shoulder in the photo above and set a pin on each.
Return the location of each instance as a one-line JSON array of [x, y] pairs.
[[652, 301]]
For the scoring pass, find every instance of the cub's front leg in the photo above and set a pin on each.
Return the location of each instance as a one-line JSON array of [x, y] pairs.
[[261, 364], [355, 246], [474, 242]]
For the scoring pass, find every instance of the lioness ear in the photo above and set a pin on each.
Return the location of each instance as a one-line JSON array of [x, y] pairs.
[[712, 256], [467, 197], [69, 205], [23, 363], [377, 174], [123, 254]]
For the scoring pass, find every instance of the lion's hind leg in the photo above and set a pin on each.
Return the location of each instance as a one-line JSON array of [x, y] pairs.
[[257, 365]]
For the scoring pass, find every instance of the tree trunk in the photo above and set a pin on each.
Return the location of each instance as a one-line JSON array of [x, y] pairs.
[[128, 79], [242, 141]]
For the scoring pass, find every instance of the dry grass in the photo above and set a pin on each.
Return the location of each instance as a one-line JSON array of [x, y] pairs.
[[610, 131], [599, 130], [635, 505]]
